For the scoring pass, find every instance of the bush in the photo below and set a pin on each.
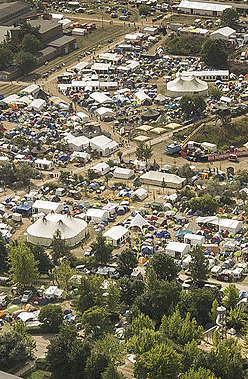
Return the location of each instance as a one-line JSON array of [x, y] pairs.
[[184, 45]]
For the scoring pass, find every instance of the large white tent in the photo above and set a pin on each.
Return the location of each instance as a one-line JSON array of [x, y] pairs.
[[186, 86], [41, 232], [47, 206], [138, 221], [116, 235]]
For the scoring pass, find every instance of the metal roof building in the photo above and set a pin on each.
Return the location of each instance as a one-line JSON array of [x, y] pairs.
[[203, 9]]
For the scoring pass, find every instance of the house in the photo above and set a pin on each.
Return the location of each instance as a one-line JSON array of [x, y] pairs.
[[116, 235], [156, 178], [104, 145], [177, 249], [202, 8], [43, 164], [223, 33], [42, 206]]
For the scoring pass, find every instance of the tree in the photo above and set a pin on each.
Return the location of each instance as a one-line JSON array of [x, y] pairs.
[[144, 9], [199, 264], [90, 293], [6, 57], [236, 318], [214, 53], [190, 356], [181, 330], [111, 373], [225, 360], [30, 44], [51, 317], [13, 350], [186, 171], [139, 323], [127, 261], [164, 266], [161, 362], [147, 152], [213, 313], [68, 354], [206, 204], [7, 172], [97, 364], [27, 28], [3, 255], [96, 322], [129, 289], [44, 263], [201, 373], [231, 296], [23, 267], [215, 92], [229, 17], [59, 248], [102, 250], [139, 151], [24, 173], [25, 62], [21, 329], [144, 341], [63, 275], [192, 105]]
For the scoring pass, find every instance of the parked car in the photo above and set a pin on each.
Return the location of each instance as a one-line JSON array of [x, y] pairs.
[[27, 296]]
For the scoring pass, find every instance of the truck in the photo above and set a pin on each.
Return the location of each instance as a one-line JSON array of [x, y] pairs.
[[173, 148]]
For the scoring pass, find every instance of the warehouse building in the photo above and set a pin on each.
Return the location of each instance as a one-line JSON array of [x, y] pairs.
[[203, 9]]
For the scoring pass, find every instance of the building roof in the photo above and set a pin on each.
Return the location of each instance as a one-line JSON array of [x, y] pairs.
[[226, 31], [160, 176], [46, 52], [10, 11], [177, 246], [116, 232], [204, 73], [61, 41], [49, 205], [4, 32], [203, 6], [5, 375], [44, 25]]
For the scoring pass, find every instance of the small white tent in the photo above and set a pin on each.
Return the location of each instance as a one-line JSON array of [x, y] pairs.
[[36, 105], [138, 221], [116, 235], [123, 173]]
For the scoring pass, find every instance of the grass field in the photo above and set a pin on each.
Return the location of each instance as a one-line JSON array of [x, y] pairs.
[[37, 374], [96, 39], [7, 88]]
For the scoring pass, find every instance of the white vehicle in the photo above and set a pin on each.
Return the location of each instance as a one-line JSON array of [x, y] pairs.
[[53, 293]]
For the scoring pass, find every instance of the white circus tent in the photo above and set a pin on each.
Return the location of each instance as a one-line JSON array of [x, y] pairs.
[[73, 230], [186, 86]]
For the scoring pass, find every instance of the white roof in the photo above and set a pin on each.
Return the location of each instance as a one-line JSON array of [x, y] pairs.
[[50, 205], [194, 237], [139, 221], [187, 84], [203, 6], [102, 166], [80, 66], [101, 98], [142, 96], [226, 31], [159, 176], [83, 116], [101, 66], [116, 232], [103, 111], [37, 104], [134, 36], [140, 192], [96, 212], [110, 57], [103, 142], [46, 226], [43, 161], [177, 246], [30, 89]]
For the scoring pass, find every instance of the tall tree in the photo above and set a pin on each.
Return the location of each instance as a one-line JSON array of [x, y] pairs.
[[59, 248], [24, 173], [51, 317], [23, 267], [147, 152], [161, 362], [6, 57], [102, 250], [30, 44], [214, 53], [229, 17], [140, 151], [43, 259], [198, 265], [96, 322], [192, 105], [25, 62], [13, 350], [231, 296], [3, 255], [164, 266], [127, 261], [63, 275]]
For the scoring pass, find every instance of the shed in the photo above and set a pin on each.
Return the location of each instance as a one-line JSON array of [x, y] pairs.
[[116, 235], [177, 249]]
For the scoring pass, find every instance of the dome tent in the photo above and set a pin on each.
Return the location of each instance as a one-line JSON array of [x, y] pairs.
[[186, 86], [41, 232]]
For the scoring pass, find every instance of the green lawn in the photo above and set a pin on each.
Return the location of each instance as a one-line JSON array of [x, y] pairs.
[[37, 374]]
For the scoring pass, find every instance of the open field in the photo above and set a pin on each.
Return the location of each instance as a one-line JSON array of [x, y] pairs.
[[7, 88]]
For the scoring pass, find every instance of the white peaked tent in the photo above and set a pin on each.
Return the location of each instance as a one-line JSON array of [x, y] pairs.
[[36, 105], [41, 232], [138, 221], [186, 86]]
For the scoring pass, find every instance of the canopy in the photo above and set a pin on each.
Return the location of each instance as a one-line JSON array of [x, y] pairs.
[[138, 221]]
